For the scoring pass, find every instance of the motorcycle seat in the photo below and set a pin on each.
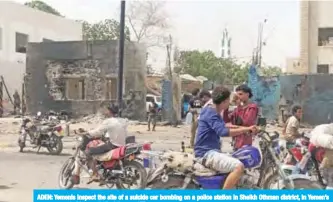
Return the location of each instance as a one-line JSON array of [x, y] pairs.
[[101, 149], [113, 154]]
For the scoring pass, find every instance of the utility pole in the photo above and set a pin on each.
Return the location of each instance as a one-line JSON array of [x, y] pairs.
[[260, 44], [169, 50], [258, 55], [121, 56]]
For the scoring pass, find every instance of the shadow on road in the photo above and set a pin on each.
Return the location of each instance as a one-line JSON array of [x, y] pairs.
[[44, 153], [4, 187]]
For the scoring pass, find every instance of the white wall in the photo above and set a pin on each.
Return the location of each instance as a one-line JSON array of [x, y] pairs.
[[325, 14], [325, 20], [14, 18]]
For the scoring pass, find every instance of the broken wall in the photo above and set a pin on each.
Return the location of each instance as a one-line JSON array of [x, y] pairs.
[[266, 93], [313, 92], [74, 76]]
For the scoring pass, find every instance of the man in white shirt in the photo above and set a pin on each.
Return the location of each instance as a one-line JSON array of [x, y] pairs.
[[322, 136], [290, 132], [114, 129]]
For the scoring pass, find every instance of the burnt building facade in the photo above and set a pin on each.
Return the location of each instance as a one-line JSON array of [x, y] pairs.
[[81, 76]]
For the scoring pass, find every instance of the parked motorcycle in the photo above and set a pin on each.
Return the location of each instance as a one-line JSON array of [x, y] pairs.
[[60, 116], [120, 166], [272, 176], [41, 134]]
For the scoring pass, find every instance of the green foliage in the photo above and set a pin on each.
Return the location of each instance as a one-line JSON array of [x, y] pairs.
[[271, 71], [216, 69], [108, 29], [40, 5]]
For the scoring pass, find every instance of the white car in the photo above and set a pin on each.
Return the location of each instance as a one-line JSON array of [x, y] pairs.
[[150, 98]]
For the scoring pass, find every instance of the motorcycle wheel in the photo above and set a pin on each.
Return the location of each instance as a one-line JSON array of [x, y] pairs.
[[299, 183], [59, 146], [173, 182], [65, 175], [136, 168]]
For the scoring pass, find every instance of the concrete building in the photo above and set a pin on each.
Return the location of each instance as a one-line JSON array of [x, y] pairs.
[[225, 45], [19, 25], [316, 24], [293, 65], [81, 76]]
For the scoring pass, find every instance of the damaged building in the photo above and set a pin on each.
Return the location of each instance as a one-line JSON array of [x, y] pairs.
[[81, 76]]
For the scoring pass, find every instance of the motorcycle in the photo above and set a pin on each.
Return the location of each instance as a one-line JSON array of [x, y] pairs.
[[293, 152], [182, 174], [304, 158], [43, 134], [120, 166], [59, 116]]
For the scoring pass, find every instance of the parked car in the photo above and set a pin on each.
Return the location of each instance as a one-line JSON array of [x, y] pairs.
[[151, 98], [158, 101]]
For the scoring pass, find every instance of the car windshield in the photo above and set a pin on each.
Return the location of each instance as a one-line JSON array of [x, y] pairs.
[[149, 99]]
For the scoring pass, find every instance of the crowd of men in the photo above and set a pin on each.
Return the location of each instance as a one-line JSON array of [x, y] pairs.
[[213, 119]]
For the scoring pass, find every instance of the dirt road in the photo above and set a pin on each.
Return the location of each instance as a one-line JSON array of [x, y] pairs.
[[20, 173]]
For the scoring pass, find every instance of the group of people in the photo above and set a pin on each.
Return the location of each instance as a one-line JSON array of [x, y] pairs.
[[213, 120]]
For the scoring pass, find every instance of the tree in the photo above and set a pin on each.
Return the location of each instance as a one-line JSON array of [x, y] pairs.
[[206, 64], [108, 29], [148, 22], [216, 69], [271, 71], [42, 6]]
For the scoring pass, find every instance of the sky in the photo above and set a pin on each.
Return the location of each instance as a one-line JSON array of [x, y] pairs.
[[199, 25]]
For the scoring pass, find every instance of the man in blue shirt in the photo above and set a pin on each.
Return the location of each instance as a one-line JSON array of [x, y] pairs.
[[210, 128]]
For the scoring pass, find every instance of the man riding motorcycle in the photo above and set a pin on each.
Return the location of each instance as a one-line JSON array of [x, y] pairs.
[[208, 146], [117, 133], [290, 131], [322, 136]]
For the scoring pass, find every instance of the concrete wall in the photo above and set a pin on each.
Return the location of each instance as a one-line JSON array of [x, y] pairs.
[[313, 92], [49, 63], [37, 25]]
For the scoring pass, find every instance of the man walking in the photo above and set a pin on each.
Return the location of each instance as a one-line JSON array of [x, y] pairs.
[[201, 100], [17, 102], [153, 107]]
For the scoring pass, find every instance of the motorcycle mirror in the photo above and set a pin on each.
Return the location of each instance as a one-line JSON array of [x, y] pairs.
[[262, 122]]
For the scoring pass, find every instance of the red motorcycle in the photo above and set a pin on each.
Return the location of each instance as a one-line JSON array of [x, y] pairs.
[[120, 166], [296, 151], [314, 156]]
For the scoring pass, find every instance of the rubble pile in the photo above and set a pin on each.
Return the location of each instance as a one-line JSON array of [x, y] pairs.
[[58, 71], [93, 118]]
